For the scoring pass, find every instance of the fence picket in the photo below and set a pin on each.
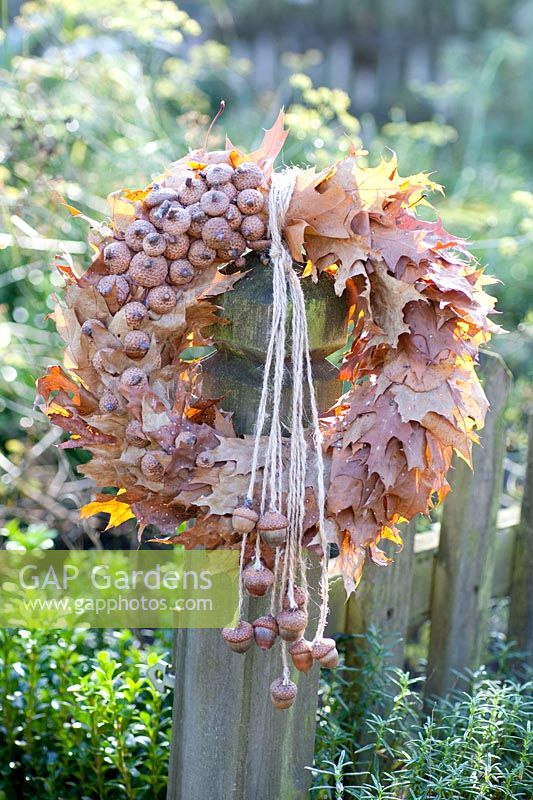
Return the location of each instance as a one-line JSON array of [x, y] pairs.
[[521, 609], [382, 600], [465, 562]]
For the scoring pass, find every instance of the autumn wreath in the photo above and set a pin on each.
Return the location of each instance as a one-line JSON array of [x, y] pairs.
[[417, 314]]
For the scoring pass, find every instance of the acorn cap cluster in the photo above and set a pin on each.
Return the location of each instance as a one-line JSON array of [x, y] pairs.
[[290, 623], [213, 215], [210, 215]]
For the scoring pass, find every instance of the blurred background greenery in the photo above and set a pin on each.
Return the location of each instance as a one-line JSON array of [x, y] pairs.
[[100, 95]]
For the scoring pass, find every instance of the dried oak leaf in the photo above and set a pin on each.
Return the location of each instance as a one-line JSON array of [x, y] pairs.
[[349, 563], [388, 299]]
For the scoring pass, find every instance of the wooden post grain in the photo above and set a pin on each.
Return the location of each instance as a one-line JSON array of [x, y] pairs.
[[521, 608], [228, 740], [465, 560]]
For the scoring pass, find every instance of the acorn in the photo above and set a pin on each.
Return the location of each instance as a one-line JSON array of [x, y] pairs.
[[218, 174], [229, 190], [135, 435], [162, 299], [155, 244], [233, 217], [272, 527], [216, 232], [148, 271], [283, 692], [244, 519], [135, 233], [200, 255], [325, 652], [300, 596], [135, 314], [257, 579], [90, 326], [117, 257], [158, 195], [301, 654], [292, 623], [205, 459], [265, 631], [235, 247], [248, 175], [181, 272], [198, 220], [115, 290], [176, 220], [156, 215], [108, 403], [253, 228], [191, 191], [215, 203], [239, 638], [152, 467], [136, 344], [133, 377], [177, 246], [250, 201]]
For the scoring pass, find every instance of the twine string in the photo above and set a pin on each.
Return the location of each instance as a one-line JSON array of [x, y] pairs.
[[241, 581], [286, 284]]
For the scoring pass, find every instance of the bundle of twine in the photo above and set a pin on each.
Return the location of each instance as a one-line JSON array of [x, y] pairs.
[[287, 287]]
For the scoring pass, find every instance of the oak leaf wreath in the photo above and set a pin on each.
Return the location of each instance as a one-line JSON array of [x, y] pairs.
[[416, 315]]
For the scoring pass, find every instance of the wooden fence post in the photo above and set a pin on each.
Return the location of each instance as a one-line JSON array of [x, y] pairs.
[[521, 608], [381, 599], [465, 560], [228, 740]]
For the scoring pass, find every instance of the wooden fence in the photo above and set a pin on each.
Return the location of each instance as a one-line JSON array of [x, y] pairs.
[[226, 733], [375, 51], [449, 573]]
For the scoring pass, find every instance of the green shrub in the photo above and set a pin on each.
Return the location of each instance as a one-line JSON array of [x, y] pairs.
[[80, 718]]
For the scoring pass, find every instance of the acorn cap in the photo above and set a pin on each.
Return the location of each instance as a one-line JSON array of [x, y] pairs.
[[302, 657], [244, 519], [257, 579], [239, 638], [283, 692], [292, 623], [300, 595], [272, 521]]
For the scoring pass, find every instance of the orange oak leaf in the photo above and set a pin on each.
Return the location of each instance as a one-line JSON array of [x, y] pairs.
[[118, 510]]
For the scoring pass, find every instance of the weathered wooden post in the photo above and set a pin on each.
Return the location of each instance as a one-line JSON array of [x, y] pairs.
[[521, 610], [465, 560], [228, 741]]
